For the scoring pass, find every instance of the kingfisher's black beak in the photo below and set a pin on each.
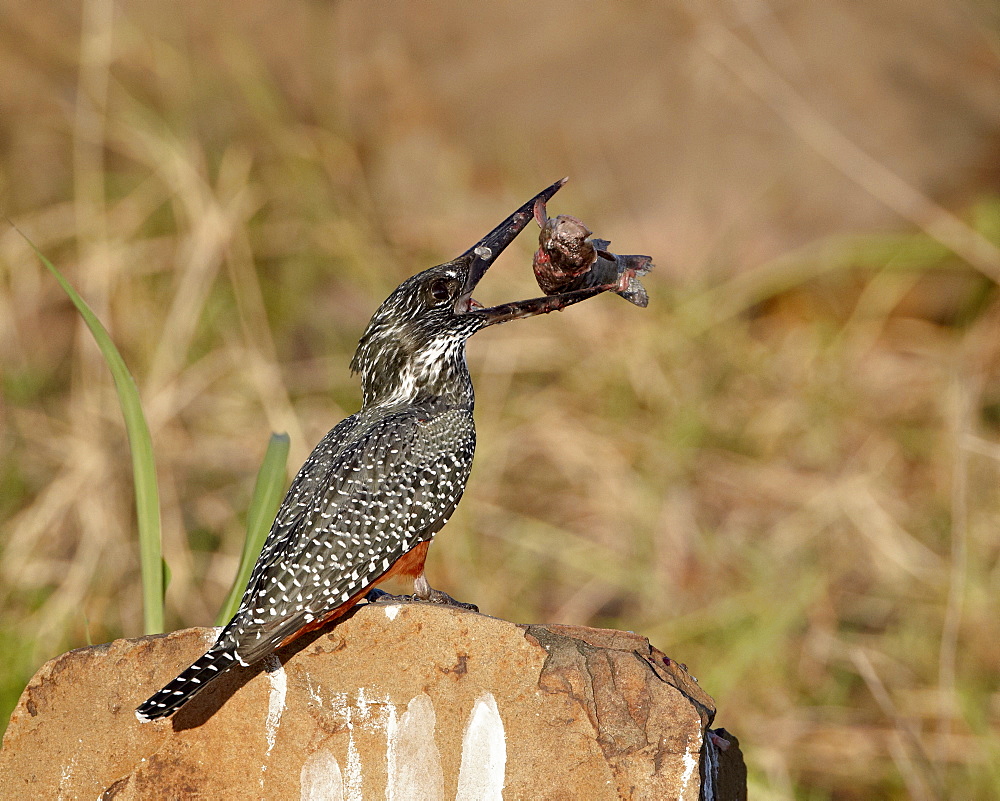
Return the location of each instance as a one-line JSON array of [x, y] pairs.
[[481, 255]]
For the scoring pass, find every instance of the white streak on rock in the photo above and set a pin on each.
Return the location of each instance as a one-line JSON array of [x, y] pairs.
[[314, 692], [391, 612], [690, 766], [391, 738], [352, 781], [383, 714], [363, 704], [338, 704], [484, 753], [413, 762], [321, 779], [66, 776], [276, 701]]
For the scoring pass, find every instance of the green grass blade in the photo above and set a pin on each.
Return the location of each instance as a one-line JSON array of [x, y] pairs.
[[267, 495], [147, 496]]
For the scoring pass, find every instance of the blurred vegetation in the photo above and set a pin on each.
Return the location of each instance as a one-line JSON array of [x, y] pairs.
[[786, 477]]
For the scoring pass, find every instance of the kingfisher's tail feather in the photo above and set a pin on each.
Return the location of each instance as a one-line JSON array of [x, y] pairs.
[[182, 689]]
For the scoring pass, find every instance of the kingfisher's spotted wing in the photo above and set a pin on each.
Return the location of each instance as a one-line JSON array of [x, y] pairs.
[[366, 496]]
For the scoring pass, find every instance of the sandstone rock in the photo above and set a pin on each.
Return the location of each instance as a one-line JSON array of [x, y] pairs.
[[408, 701]]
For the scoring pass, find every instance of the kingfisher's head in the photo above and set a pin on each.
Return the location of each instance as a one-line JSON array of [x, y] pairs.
[[414, 345]]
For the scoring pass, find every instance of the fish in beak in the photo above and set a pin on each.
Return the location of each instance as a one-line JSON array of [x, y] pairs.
[[482, 255]]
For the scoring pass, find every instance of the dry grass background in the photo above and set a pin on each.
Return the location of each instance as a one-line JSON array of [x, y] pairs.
[[784, 472]]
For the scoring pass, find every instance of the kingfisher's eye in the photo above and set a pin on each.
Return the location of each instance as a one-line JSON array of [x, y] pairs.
[[442, 289]]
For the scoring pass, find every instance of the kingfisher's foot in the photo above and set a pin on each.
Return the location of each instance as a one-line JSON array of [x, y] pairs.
[[377, 596], [422, 591], [438, 597]]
